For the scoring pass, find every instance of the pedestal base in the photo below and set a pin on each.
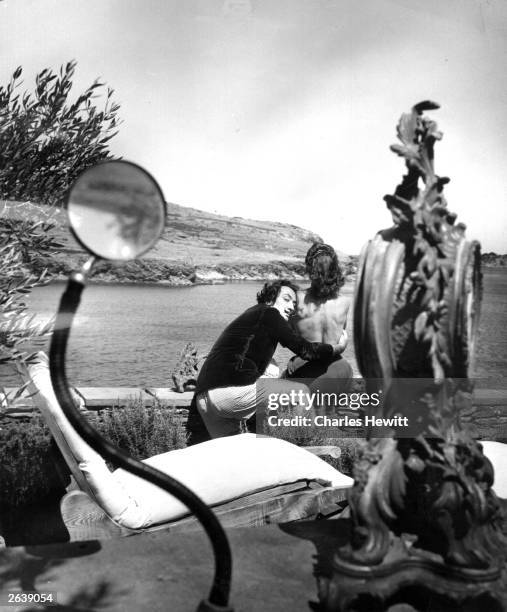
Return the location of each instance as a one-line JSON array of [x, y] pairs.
[[408, 580], [411, 580]]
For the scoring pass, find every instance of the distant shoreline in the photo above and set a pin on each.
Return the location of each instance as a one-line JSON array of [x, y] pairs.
[[132, 283], [197, 280], [177, 274]]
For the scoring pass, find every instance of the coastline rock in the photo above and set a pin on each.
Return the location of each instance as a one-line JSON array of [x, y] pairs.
[[207, 277]]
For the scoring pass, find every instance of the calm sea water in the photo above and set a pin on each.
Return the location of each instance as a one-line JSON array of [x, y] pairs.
[[128, 335], [491, 360]]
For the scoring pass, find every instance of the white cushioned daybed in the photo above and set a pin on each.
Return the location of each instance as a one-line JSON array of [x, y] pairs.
[[218, 471]]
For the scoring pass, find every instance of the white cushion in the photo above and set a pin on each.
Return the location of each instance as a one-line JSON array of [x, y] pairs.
[[496, 452], [223, 469]]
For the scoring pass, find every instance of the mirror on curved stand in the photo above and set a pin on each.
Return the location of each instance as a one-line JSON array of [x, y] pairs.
[[117, 211]]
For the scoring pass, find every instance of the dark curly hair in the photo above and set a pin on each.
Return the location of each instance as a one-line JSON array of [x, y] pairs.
[[325, 273], [270, 291]]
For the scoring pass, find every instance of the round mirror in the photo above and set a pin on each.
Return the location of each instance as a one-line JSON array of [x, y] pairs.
[[116, 210]]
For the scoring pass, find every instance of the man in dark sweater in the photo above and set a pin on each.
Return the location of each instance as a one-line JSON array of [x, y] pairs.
[[230, 387]]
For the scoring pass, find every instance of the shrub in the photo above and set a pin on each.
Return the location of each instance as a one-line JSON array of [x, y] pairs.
[[311, 436], [31, 467], [302, 436], [27, 467], [142, 432]]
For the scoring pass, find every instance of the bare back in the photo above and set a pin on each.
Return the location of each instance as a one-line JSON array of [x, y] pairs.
[[321, 322]]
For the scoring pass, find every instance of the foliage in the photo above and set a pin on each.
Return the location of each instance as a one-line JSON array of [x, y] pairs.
[[45, 141], [27, 469], [30, 468], [143, 432], [22, 245], [311, 436]]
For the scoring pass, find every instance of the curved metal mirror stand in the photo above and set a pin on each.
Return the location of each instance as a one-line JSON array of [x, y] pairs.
[[219, 593]]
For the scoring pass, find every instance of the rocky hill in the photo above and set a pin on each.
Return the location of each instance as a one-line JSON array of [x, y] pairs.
[[196, 247]]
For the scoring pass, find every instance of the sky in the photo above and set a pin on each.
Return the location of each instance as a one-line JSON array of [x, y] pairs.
[[284, 110]]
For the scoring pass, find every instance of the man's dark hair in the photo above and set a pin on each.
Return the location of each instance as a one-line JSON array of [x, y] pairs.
[[325, 273], [270, 291]]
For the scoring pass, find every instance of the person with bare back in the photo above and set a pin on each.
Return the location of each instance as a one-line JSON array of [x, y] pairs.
[[322, 317]]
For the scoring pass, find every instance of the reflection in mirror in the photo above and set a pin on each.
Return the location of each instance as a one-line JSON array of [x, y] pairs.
[[116, 210]]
